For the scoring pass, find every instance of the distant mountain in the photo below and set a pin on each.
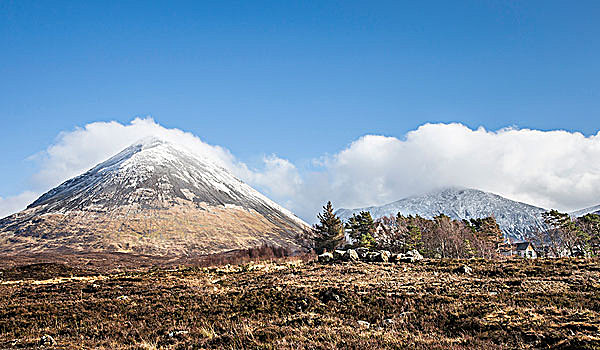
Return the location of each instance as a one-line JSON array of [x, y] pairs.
[[582, 212], [516, 219], [154, 197]]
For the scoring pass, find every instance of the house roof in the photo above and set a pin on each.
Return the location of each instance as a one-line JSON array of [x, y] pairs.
[[522, 245]]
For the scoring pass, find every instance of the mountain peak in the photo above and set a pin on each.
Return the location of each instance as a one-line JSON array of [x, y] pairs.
[[158, 187], [516, 219], [149, 142], [446, 190]]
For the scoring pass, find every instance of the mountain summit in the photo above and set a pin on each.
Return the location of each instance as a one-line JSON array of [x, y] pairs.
[[516, 219], [154, 197]]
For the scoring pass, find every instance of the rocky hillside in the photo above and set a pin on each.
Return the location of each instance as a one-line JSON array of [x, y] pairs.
[[154, 197]]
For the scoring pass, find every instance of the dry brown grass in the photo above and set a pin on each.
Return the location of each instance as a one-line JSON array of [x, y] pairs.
[[512, 304]]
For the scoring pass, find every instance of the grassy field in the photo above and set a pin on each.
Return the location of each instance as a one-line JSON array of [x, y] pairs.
[[304, 305]]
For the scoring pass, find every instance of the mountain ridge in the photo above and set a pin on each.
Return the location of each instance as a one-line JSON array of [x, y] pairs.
[[591, 210], [516, 219]]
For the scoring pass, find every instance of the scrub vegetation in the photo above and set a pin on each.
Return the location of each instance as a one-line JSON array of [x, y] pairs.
[[291, 303]]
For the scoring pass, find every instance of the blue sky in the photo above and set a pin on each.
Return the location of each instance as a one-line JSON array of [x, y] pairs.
[[299, 79]]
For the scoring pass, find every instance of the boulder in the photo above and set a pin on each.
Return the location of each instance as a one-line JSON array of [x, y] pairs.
[[362, 253], [465, 270], [372, 257], [378, 256], [173, 334], [47, 340], [406, 258], [338, 254], [364, 324], [415, 255], [325, 257], [351, 255], [394, 257], [385, 255]]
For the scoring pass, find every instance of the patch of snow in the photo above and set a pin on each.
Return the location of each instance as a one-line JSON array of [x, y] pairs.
[[151, 172], [516, 219]]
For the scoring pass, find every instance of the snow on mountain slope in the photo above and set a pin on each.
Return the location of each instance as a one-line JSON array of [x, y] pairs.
[[515, 219], [153, 197], [582, 212]]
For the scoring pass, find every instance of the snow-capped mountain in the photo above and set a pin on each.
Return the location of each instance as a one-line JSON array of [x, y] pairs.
[[582, 212], [515, 219], [153, 197]]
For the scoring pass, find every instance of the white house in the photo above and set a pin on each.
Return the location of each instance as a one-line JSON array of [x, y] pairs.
[[520, 249]]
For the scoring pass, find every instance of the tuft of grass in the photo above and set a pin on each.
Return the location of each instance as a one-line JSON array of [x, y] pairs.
[[207, 332]]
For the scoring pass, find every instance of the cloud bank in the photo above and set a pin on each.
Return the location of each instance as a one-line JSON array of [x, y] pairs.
[[551, 169], [13, 204], [74, 152]]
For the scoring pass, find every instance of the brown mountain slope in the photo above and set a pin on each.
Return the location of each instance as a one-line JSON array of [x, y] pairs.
[[154, 197]]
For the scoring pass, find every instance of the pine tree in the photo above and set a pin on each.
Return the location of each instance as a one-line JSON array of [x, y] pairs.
[[413, 237], [330, 230], [362, 229], [487, 234]]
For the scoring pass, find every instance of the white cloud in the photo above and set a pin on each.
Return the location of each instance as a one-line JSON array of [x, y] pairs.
[[16, 203], [79, 150], [280, 176], [76, 151], [552, 169]]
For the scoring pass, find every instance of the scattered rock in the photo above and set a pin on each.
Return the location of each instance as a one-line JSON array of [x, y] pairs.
[[415, 255], [47, 340], [382, 256], [351, 255], [372, 256], [465, 269], [325, 257], [173, 334], [338, 254], [362, 253], [364, 324]]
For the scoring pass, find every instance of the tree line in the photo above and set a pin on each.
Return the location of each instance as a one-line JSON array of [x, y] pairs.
[[567, 236], [444, 237]]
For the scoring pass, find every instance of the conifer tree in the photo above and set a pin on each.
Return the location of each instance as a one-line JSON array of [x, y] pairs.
[[329, 231], [413, 237], [487, 235], [362, 229]]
